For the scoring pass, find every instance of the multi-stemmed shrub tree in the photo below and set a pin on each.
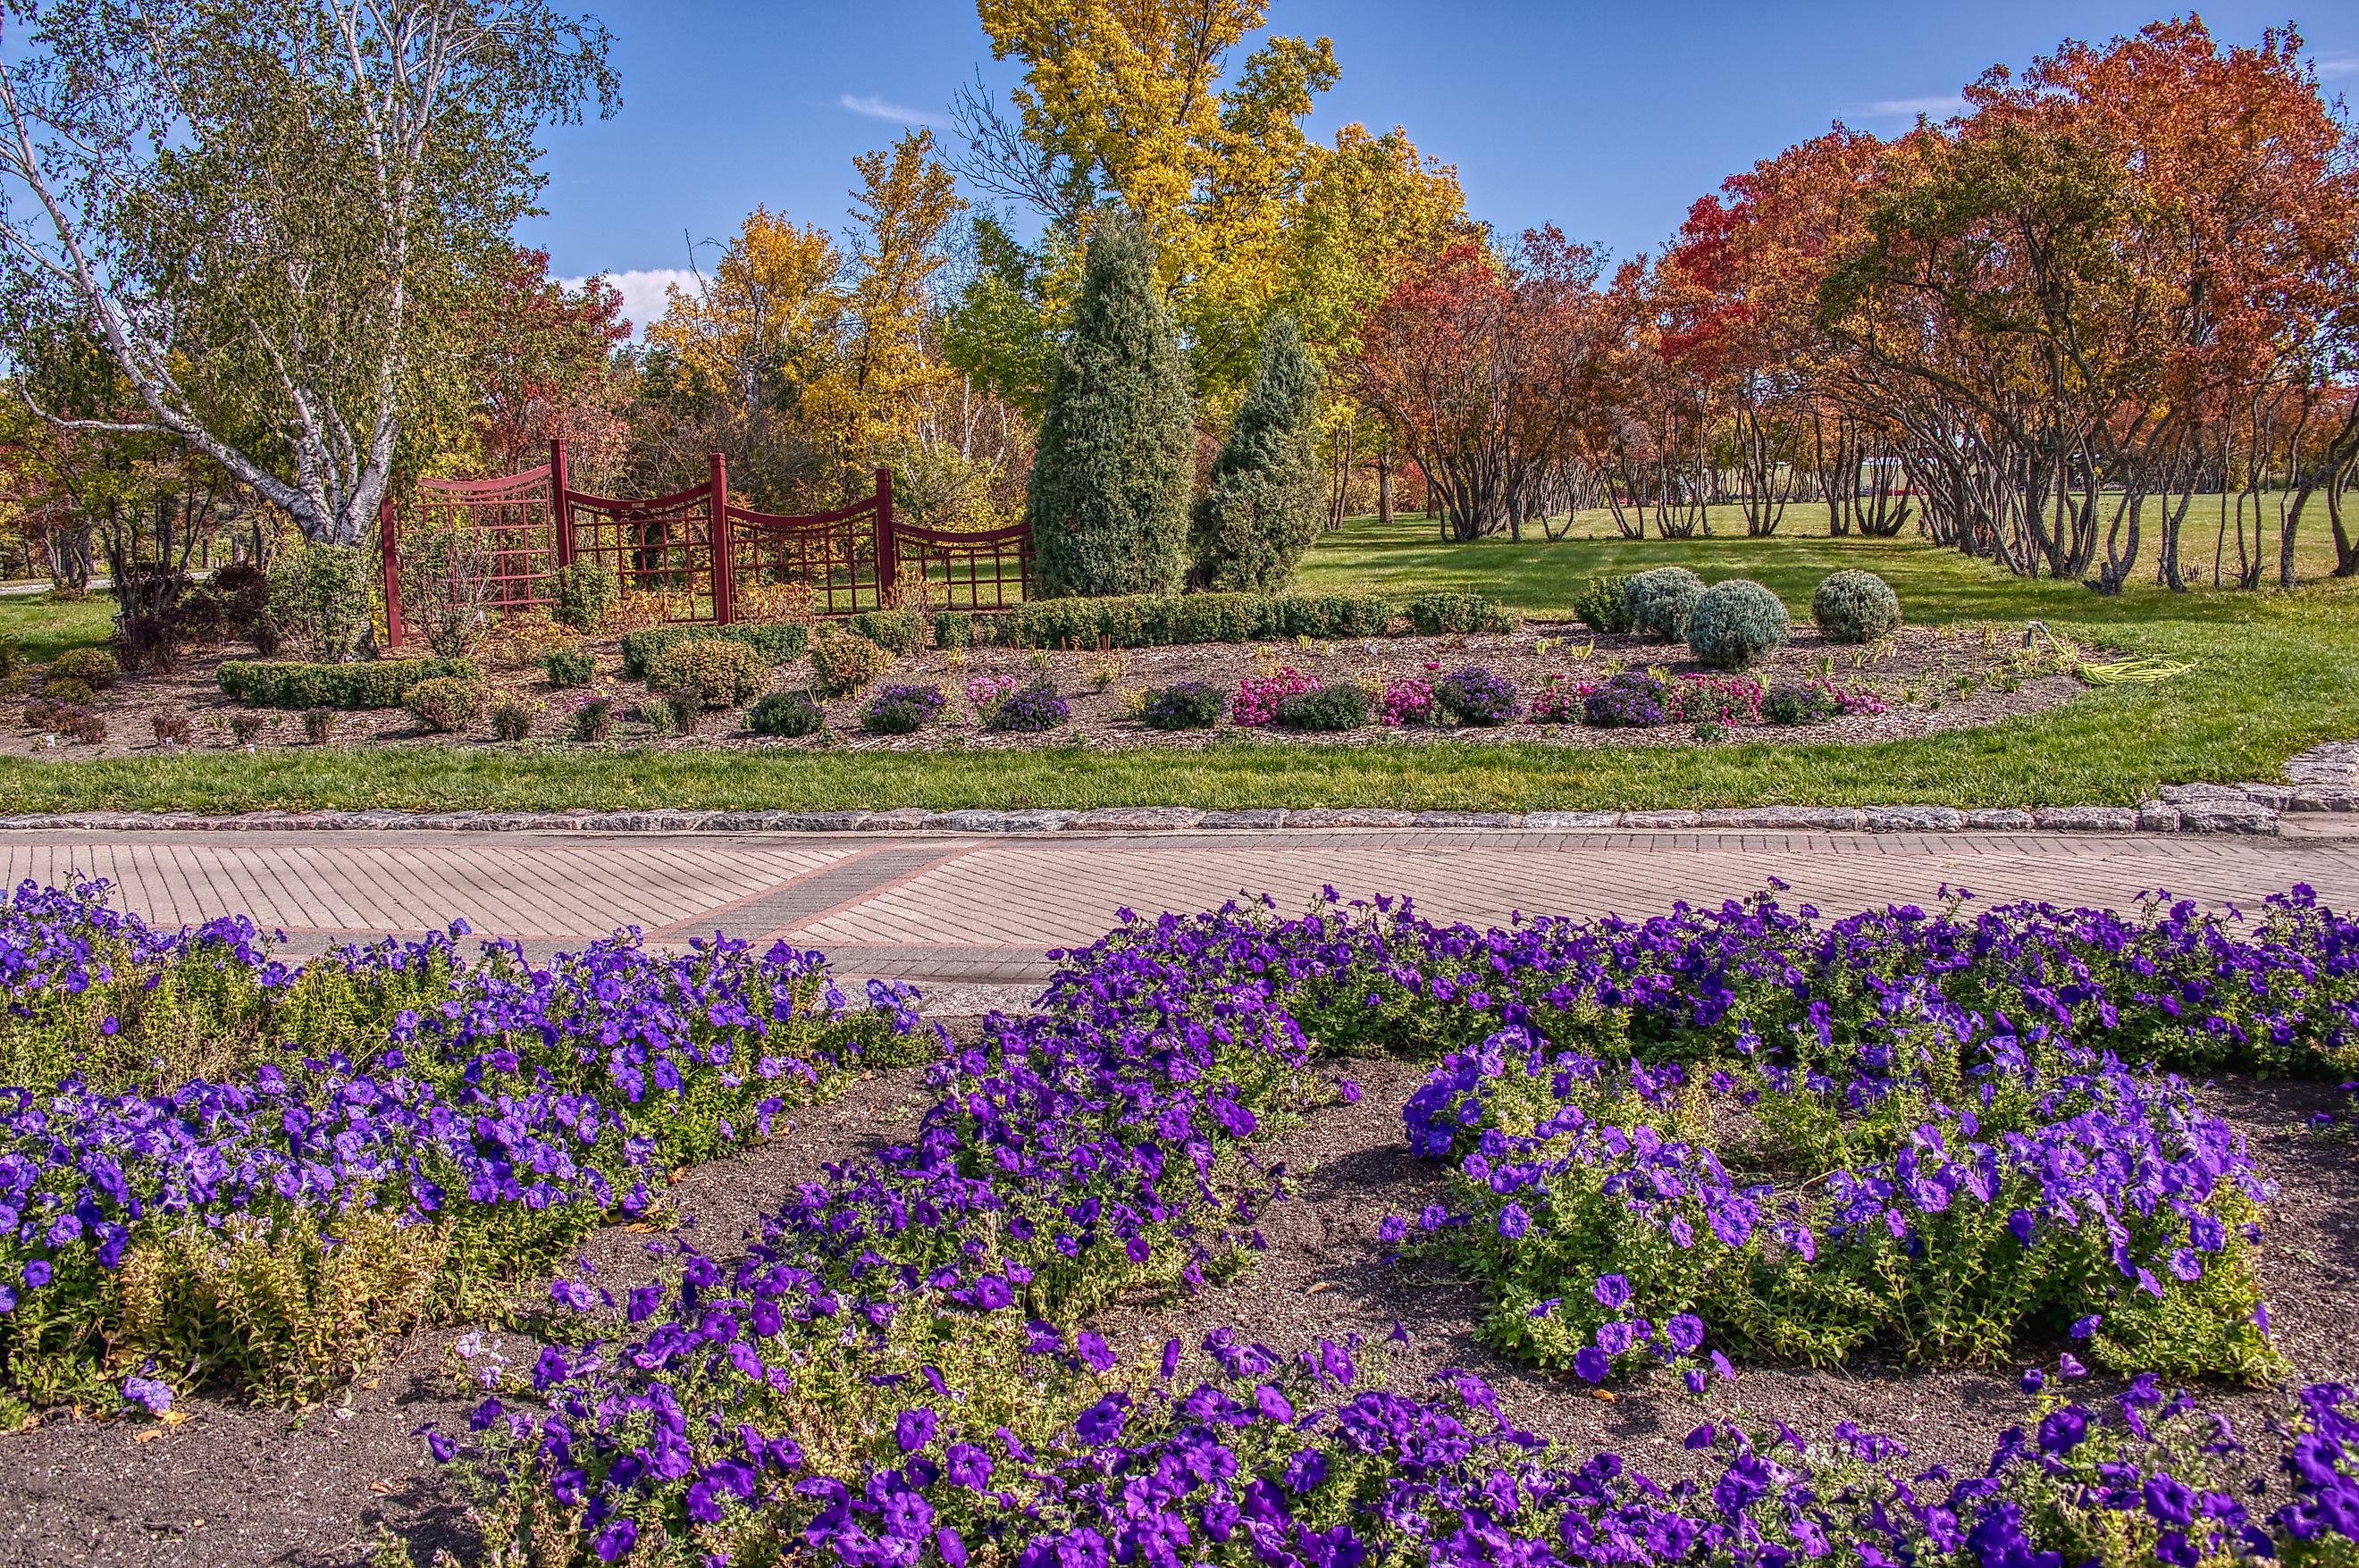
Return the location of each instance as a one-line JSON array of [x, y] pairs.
[[1108, 506]]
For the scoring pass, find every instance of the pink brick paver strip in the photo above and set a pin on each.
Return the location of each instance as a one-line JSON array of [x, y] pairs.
[[984, 909]]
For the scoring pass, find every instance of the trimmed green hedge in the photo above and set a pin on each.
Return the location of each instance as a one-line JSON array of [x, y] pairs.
[[777, 642], [378, 683], [1154, 620]]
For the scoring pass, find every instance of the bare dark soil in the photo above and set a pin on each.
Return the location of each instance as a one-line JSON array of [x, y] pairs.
[[316, 1488], [1931, 678]]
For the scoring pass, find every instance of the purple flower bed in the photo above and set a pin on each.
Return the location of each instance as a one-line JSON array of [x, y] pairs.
[[939, 1291], [488, 1111], [1632, 700]]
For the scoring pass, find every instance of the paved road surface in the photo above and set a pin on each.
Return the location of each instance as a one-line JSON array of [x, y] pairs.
[[985, 910]]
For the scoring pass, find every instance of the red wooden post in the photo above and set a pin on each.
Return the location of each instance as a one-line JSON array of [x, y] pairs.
[[561, 512], [389, 534], [716, 534], [888, 546]]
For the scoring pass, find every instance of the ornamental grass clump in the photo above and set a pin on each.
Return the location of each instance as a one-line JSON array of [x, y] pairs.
[[1632, 700], [1855, 606], [1477, 696], [1184, 705], [1737, 623], [902, 709], [1655, 603]]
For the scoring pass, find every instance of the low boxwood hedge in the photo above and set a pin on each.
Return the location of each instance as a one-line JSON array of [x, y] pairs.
[[376, 683], [1156, 620], [778, 642]]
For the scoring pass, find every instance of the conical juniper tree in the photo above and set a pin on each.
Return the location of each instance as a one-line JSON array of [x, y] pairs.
[[1108, 504], [1264, 503]]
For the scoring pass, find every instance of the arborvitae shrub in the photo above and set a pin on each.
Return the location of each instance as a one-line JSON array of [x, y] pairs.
[[568, 667], [583, 595], [1108, 502], [1265, 500]]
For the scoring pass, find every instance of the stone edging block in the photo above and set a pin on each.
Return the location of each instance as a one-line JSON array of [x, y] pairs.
[[2245, 809]]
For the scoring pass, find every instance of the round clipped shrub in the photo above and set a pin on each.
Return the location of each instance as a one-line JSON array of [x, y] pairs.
[[1029, 709], [1630, 701], [953, 628], [1655, 603], [93, 667], [568, 667], [68, 689], [445, 704], [1477, 696], [1737, 623], [902, 709], [1855, 606], [715, 673], [1338, 705], [1189, 705], [843, 663], [897, 632], [791, 715]]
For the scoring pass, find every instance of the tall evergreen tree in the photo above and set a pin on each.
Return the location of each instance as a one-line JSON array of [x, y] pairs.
[[1264, 503], [1109, 499]]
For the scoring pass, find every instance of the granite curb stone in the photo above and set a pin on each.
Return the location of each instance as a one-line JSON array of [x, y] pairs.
[[2217, 808], [1914, 819]]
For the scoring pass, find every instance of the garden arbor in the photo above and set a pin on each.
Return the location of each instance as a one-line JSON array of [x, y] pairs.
[[697, 554]]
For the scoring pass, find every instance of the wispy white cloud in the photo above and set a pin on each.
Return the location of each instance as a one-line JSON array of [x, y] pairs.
[[1939, 107], [643, 291], [2337, 65], [877, 108]]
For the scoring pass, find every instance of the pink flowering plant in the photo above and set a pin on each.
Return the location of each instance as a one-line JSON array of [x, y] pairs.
[[1560, 702], [1698, 699], [1259, 697], [1407, 701], [984, 693]]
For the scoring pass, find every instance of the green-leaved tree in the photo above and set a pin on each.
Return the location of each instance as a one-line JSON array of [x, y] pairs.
[[1266, 499], [1108, 505]]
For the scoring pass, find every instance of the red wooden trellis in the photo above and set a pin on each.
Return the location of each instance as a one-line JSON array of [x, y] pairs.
[[695, 548]]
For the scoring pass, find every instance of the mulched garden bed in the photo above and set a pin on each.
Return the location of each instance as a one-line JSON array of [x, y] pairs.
[[316, 1488], [1928, 678]]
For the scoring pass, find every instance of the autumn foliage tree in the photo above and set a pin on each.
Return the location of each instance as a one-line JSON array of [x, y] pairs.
[[1483, 365]]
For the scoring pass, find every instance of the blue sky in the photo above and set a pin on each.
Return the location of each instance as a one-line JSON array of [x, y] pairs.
[[1608, 119]]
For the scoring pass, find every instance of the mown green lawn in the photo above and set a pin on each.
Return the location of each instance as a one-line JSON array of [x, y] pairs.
[[2274, 673]]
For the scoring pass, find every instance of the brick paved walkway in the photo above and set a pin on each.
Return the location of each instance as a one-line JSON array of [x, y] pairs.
[[983, 910]]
